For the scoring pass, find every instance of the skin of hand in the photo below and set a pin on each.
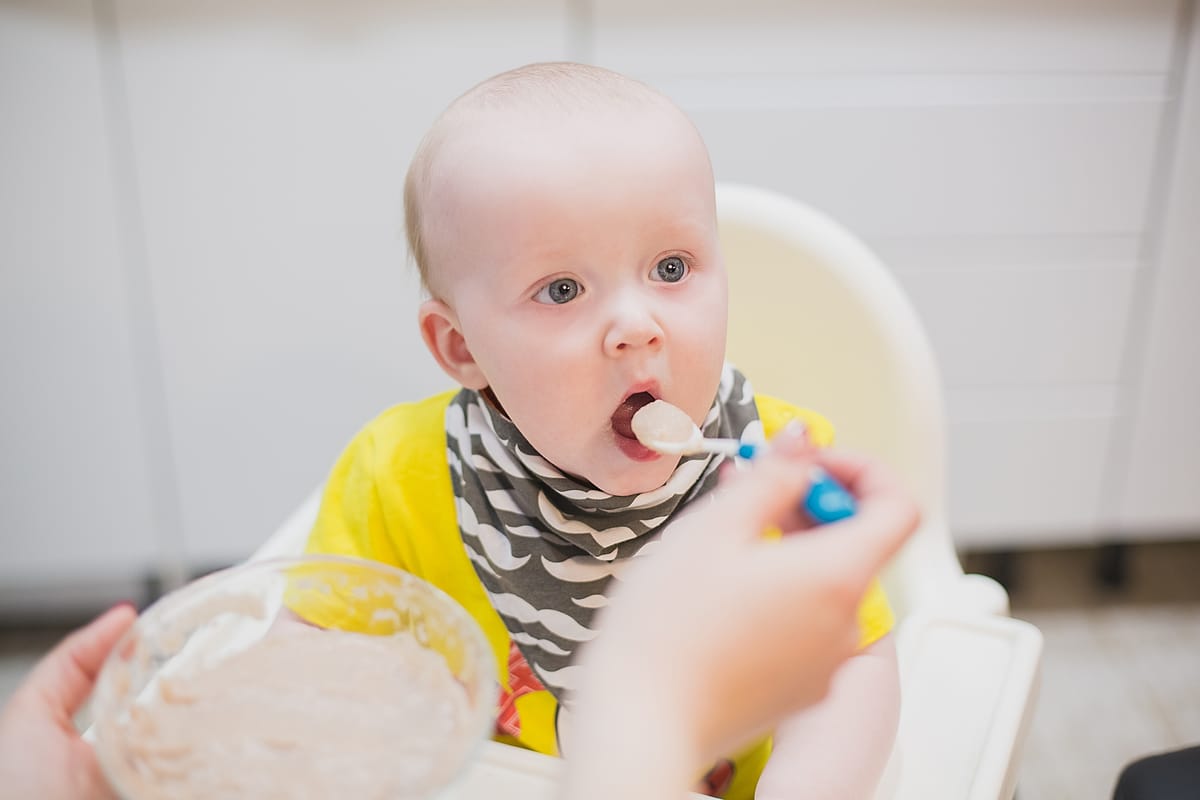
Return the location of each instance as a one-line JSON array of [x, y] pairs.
[[721, 634], [838, 748], [41, 753]]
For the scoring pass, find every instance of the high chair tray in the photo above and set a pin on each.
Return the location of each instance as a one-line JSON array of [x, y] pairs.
[[503, 772]]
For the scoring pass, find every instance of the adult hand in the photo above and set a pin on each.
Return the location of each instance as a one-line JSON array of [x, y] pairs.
[[41, 753], [720, 633]]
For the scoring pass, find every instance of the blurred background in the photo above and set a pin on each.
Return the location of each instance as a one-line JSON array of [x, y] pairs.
[[204, 289]]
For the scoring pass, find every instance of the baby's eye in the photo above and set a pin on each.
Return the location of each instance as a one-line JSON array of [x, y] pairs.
[[559, 290], [671, 269]]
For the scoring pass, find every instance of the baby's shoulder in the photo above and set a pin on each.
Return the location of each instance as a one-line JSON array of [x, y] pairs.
[[408, 419], [407, 435], [775, 414]]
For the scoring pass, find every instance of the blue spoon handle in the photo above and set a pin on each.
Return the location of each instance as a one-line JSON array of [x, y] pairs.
[[827, 500]]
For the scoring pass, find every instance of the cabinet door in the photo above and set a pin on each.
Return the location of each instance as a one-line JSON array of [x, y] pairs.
[[1156, 463], [271, 144], [75, 492]]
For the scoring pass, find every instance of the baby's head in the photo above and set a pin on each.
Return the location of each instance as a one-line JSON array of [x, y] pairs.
[[563, 219]]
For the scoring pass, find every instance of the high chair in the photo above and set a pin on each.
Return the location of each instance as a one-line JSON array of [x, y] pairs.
[[817, 319]]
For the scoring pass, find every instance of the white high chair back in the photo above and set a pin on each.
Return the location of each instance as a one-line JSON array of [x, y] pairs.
[[817, 319]]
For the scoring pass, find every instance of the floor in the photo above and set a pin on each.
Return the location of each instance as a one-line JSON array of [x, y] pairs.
[[1121, 668]]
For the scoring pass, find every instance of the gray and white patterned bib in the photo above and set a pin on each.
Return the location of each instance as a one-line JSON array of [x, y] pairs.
[[545, 544]]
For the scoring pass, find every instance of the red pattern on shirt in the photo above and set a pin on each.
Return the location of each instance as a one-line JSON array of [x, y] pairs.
[[521, 681]]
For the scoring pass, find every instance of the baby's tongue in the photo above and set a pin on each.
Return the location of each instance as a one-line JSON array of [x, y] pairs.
[[622, 418]]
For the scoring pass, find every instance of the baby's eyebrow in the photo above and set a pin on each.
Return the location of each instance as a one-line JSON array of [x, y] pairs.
[[683, 233], [542, 251]]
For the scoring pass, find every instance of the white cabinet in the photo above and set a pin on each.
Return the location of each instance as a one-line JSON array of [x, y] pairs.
[[205, 291], [169, 395], [76, 490], [1155, 463], [271, 144]]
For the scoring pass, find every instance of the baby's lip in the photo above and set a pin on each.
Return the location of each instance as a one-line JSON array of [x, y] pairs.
[[622, 418]]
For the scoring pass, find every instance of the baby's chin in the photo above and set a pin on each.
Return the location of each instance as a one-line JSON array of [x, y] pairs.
[[638, 479]]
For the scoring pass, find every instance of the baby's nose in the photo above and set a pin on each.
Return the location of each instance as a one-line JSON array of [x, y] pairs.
[[632, 328]]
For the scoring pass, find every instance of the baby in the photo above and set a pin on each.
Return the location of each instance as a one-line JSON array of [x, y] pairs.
[[563, 220]]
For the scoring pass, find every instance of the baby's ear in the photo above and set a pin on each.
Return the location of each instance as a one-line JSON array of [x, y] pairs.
[[440, 330]]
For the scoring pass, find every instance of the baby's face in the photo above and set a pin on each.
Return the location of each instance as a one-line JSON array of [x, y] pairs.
[[580, 257]]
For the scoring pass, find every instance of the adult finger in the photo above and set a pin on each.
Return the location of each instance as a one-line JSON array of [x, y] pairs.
[[764, 494], [886, 515], [63, 679]]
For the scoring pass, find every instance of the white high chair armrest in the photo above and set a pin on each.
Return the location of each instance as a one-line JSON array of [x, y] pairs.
[[969, 685], [290, 538]]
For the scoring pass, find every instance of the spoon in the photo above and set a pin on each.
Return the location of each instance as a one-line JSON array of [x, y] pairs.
[[667, 429]]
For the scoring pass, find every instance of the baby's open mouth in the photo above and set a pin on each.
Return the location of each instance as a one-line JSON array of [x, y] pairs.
[[622, 418]]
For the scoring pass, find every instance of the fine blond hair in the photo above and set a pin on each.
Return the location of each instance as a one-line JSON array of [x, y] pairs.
[[559, 86]]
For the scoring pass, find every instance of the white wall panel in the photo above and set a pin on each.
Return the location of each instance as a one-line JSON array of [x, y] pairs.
[[985, 254], [979, 170], [1026, 464], [74, 495], [1020, 327], [1026, 482], [272, 141], [655, 40], [1156, 460]]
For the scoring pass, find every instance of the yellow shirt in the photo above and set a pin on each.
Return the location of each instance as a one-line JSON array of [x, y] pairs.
[[389, 499]]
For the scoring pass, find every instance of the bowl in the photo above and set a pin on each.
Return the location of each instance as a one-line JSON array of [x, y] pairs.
[[316, 676]]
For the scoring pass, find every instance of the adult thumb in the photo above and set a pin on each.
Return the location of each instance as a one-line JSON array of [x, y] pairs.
[[886, 515], [64, 678]]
